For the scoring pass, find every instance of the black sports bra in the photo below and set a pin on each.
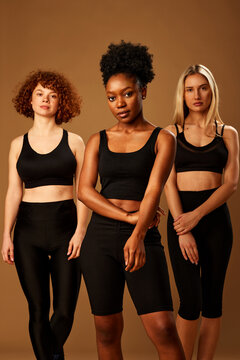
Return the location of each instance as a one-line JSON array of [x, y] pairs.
[[211, 157], [54, 168], [125, 175]]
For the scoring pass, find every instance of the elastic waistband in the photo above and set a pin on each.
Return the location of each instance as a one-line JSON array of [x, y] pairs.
[[200, 192], [46, 210]]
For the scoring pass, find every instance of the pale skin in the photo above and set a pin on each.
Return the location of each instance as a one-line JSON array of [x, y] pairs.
[[130, 133], [44, 136], [197, 95]]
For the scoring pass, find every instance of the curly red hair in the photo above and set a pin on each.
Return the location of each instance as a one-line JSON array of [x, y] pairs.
[[69, 101]]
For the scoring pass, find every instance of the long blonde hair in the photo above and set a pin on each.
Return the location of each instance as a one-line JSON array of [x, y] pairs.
[[181, 110]]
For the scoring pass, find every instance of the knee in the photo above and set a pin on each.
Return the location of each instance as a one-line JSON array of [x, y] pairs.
[[162, 330], [190, 310], [108, 332], [63, 318], [38, 314]]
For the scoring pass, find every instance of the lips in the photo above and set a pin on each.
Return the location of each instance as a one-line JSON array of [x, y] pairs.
[[44, 107], [199, 103], [123, 114]]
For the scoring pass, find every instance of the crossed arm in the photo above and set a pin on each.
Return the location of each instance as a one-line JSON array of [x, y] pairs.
[[134, 251]]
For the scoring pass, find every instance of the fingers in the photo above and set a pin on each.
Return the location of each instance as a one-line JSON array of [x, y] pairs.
[[191, 253], [162, 212], [130, 260], [134, 260], [70, 247], [8, 255], [140, 260], [183, 231], [73, 251]]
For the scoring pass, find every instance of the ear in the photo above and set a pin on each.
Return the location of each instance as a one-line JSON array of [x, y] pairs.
[[144, 92]]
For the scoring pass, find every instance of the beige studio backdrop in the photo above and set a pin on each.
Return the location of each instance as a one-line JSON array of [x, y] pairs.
[[70, 37]]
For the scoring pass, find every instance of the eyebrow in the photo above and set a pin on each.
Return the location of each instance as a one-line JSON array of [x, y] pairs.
[[189, 87], [52, 91], [112, 92]]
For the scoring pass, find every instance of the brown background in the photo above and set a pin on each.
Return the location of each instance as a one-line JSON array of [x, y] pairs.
[[70, 36]]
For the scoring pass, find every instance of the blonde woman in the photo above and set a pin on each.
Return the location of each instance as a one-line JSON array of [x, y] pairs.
[[203, 178]]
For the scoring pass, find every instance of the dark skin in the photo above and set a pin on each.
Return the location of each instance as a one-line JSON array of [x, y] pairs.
[[125, 96], [128, 135]]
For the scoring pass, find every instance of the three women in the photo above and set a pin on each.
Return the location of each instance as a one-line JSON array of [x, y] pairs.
[[122, 244]]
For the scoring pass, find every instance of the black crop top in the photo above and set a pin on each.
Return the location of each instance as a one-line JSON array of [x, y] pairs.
[[54, 168], [125, 175], [211, 157]]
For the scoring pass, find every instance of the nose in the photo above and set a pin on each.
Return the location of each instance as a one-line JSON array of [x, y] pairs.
[[45, 98], [196, 94], [120, 102]]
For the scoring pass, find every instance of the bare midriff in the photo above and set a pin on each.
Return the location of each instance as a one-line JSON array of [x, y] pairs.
[[48, 193], [127, 205], [198, 180]]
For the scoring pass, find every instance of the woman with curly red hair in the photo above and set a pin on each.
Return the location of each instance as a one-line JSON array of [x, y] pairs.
[[49, 227]]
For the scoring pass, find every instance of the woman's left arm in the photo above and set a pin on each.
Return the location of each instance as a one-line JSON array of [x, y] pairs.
[[185, 222], [134, 253], [77, 145]]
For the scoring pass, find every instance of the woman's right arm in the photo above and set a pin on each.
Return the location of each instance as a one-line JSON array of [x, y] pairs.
[[187, 242], [13, 199], [88, 179]]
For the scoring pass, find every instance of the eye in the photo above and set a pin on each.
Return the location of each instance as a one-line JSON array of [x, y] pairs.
[[128, 94], [54, 96], [204, 88], [111, 98], [188, 90], [39, 94]]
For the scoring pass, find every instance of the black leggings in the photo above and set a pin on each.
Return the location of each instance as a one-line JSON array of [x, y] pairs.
[[41, 240], [200, 287]]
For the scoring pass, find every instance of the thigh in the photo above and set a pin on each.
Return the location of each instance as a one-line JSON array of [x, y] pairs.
[[102, 272], [66, 277], [32, 266], [215, 252], [149, 286], [186, 274]]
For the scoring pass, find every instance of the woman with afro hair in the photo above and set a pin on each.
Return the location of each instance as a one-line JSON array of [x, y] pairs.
[[49, 227], [122, 243]]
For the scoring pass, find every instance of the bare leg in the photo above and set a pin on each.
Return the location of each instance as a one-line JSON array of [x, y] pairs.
[[187, 330], [161, 329], [108, 333], [209, 334]]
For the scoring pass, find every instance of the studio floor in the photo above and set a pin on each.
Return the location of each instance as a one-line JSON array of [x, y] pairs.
[[87, 356]]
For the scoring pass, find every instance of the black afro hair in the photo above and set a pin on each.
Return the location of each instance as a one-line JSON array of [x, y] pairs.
[[128, 58]]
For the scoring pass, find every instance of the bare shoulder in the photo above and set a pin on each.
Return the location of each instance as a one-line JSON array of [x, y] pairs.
[[167, 135], [94, 140], [229, 132], [16, 145], [75, 138], [171, 128]]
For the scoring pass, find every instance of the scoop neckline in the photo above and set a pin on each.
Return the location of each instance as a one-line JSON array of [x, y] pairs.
[[198, 147], [48, 152], [131, 152]]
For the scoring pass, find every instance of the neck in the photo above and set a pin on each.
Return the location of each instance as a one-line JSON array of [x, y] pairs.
[[43, 125], [138, 123], [198, 118]]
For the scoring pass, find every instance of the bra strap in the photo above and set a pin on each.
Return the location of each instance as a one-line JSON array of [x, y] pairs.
[[103, 139], [177, 129], [222, 129]]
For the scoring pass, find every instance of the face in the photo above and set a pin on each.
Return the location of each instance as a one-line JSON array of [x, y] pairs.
[[44, 101], [125, 97], [197, 93]]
